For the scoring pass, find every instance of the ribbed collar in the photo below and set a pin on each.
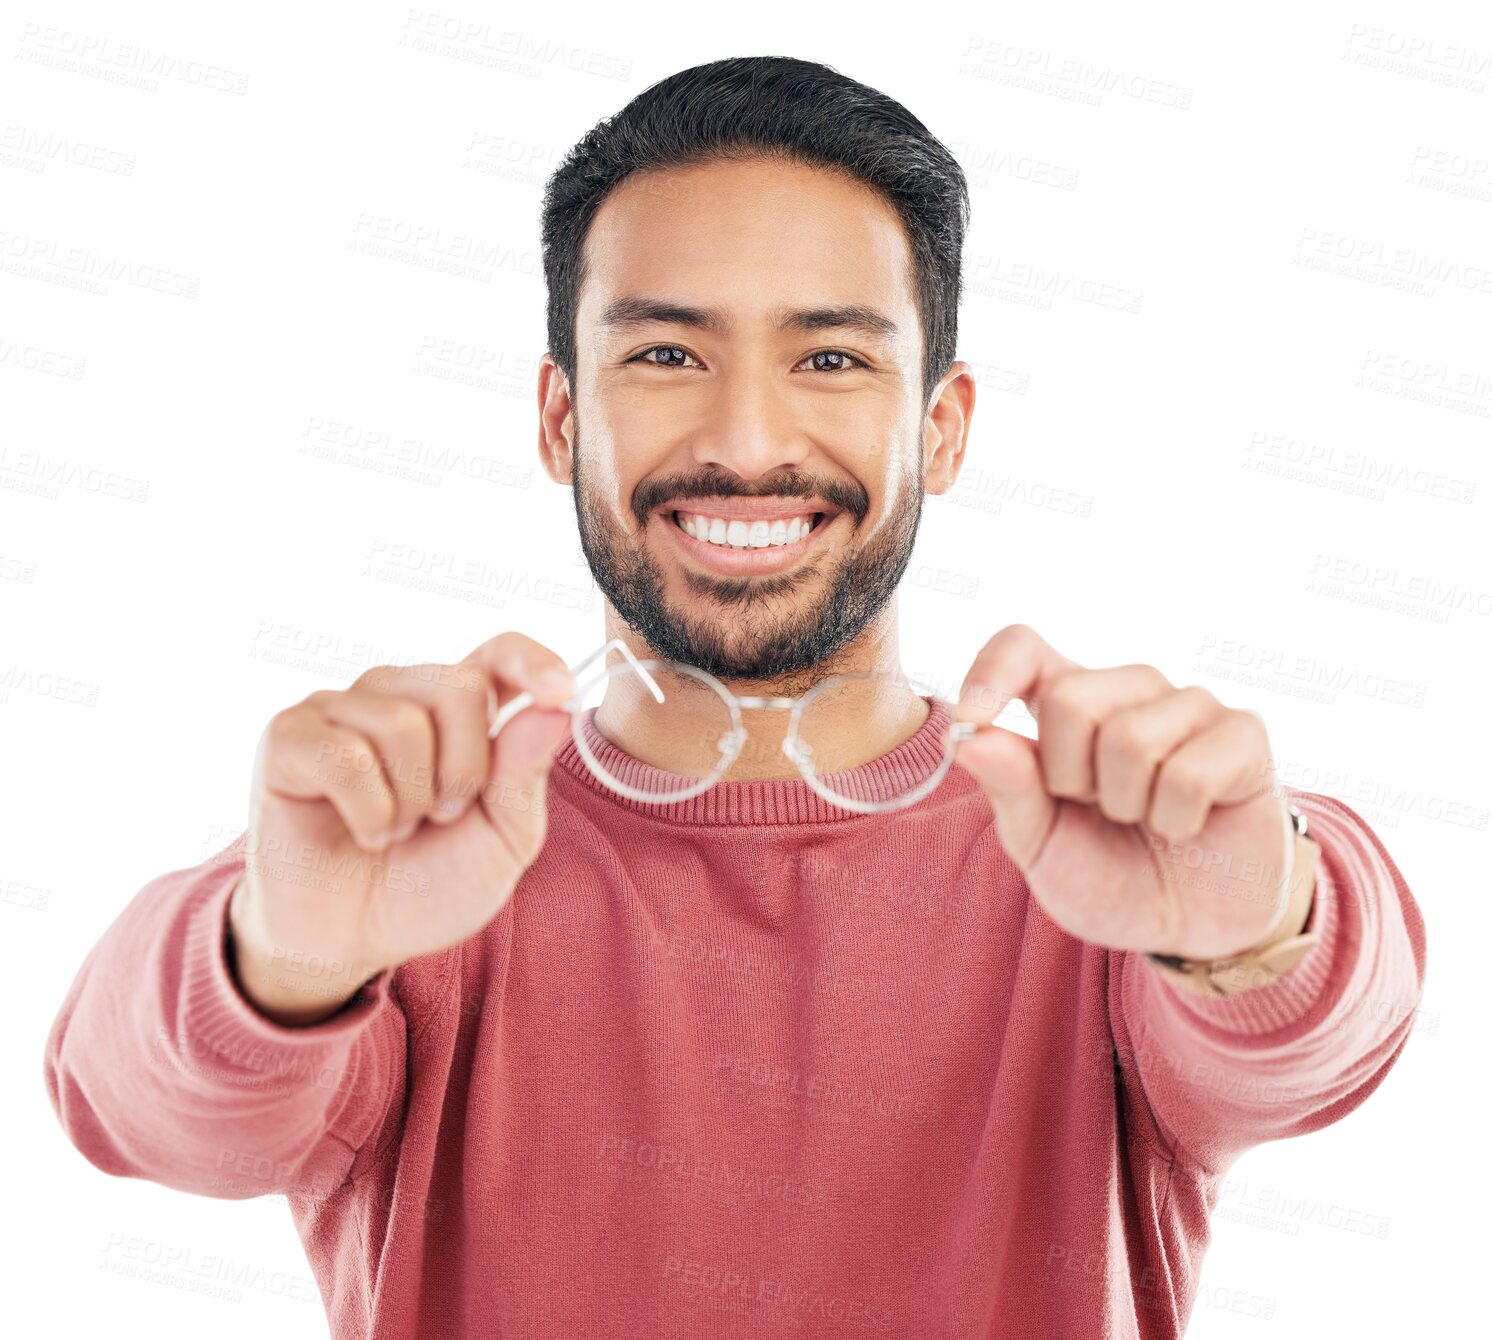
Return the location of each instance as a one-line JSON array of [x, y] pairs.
[[773, 801]]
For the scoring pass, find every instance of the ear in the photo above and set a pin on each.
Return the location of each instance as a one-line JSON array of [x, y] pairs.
[[556, 422], [945, 432]]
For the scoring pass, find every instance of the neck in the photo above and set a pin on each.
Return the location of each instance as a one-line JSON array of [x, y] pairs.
[[848, 728]]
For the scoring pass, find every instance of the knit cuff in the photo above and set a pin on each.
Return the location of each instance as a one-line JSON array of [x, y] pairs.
[[221, 1027]]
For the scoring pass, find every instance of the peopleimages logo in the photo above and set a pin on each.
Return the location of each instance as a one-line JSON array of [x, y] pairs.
[[167, 1263], [1069, 77], [44, 258], [755, 1073], [511, 50], [43, 147], [734, 1179], [122, 62], [759, 1295]]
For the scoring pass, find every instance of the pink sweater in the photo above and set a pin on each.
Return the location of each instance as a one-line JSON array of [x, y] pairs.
[[740, 1065]]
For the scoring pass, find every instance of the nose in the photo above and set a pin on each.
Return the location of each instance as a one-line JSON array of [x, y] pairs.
[[749, 428]]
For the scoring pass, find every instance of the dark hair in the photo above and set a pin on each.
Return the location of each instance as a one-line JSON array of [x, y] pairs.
[[766, 107]]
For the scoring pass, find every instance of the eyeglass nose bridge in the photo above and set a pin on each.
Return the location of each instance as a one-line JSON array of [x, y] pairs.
[[797, 750]]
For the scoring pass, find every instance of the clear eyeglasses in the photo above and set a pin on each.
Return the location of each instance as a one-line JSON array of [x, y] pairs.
[[705, 738]]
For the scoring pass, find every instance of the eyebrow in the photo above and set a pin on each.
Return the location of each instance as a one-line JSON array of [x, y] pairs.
[[627, 313]]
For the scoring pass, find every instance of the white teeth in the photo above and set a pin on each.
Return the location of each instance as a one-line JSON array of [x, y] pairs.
[[737, 534]]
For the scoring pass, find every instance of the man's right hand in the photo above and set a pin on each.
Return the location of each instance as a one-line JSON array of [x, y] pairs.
[[385, 823]]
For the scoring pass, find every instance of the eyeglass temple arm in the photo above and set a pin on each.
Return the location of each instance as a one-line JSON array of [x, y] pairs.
[[525, 699]]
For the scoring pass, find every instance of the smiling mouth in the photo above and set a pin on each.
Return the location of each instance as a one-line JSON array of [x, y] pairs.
[[744, 545], [738, 534]]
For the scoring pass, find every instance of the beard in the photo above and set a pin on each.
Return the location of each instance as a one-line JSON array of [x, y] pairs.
[[760, 628]]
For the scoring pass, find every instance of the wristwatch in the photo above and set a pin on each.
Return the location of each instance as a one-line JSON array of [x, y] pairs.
[[1256, 967]]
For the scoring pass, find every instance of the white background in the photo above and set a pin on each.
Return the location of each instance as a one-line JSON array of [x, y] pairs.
[[1267, 479]]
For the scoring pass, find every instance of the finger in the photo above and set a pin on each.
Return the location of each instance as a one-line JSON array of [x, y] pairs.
[[303, 756], [514, 800], [1224, 764], [1016, 663], [1132, 742], [456, 697], [514, 663], [1072, 710], [1007, 769], [402, 732]]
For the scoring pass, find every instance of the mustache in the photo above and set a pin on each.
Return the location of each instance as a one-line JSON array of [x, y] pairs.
[[652, 493]]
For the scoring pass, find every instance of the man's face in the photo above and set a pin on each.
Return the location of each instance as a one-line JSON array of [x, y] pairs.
[[751, 430]]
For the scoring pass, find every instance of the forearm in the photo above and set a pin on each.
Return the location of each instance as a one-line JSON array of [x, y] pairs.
[[158, 1066], [1300, 1051]]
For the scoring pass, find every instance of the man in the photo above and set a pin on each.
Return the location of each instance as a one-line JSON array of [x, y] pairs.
[[532, 1056]]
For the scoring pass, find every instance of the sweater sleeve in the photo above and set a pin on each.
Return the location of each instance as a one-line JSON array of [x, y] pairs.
[[158, 1067], [1213, 1077]]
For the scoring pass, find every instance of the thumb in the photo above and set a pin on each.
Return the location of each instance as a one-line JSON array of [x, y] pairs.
[[1007, 767], [522, 755]]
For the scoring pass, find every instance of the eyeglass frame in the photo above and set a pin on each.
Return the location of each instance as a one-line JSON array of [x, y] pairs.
[[798, 751]]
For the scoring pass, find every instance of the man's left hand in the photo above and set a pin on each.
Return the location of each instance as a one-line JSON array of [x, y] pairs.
[[1144, 816]]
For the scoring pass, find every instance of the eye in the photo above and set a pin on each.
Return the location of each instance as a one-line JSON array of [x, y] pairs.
[[848, 360], [660, 348]]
